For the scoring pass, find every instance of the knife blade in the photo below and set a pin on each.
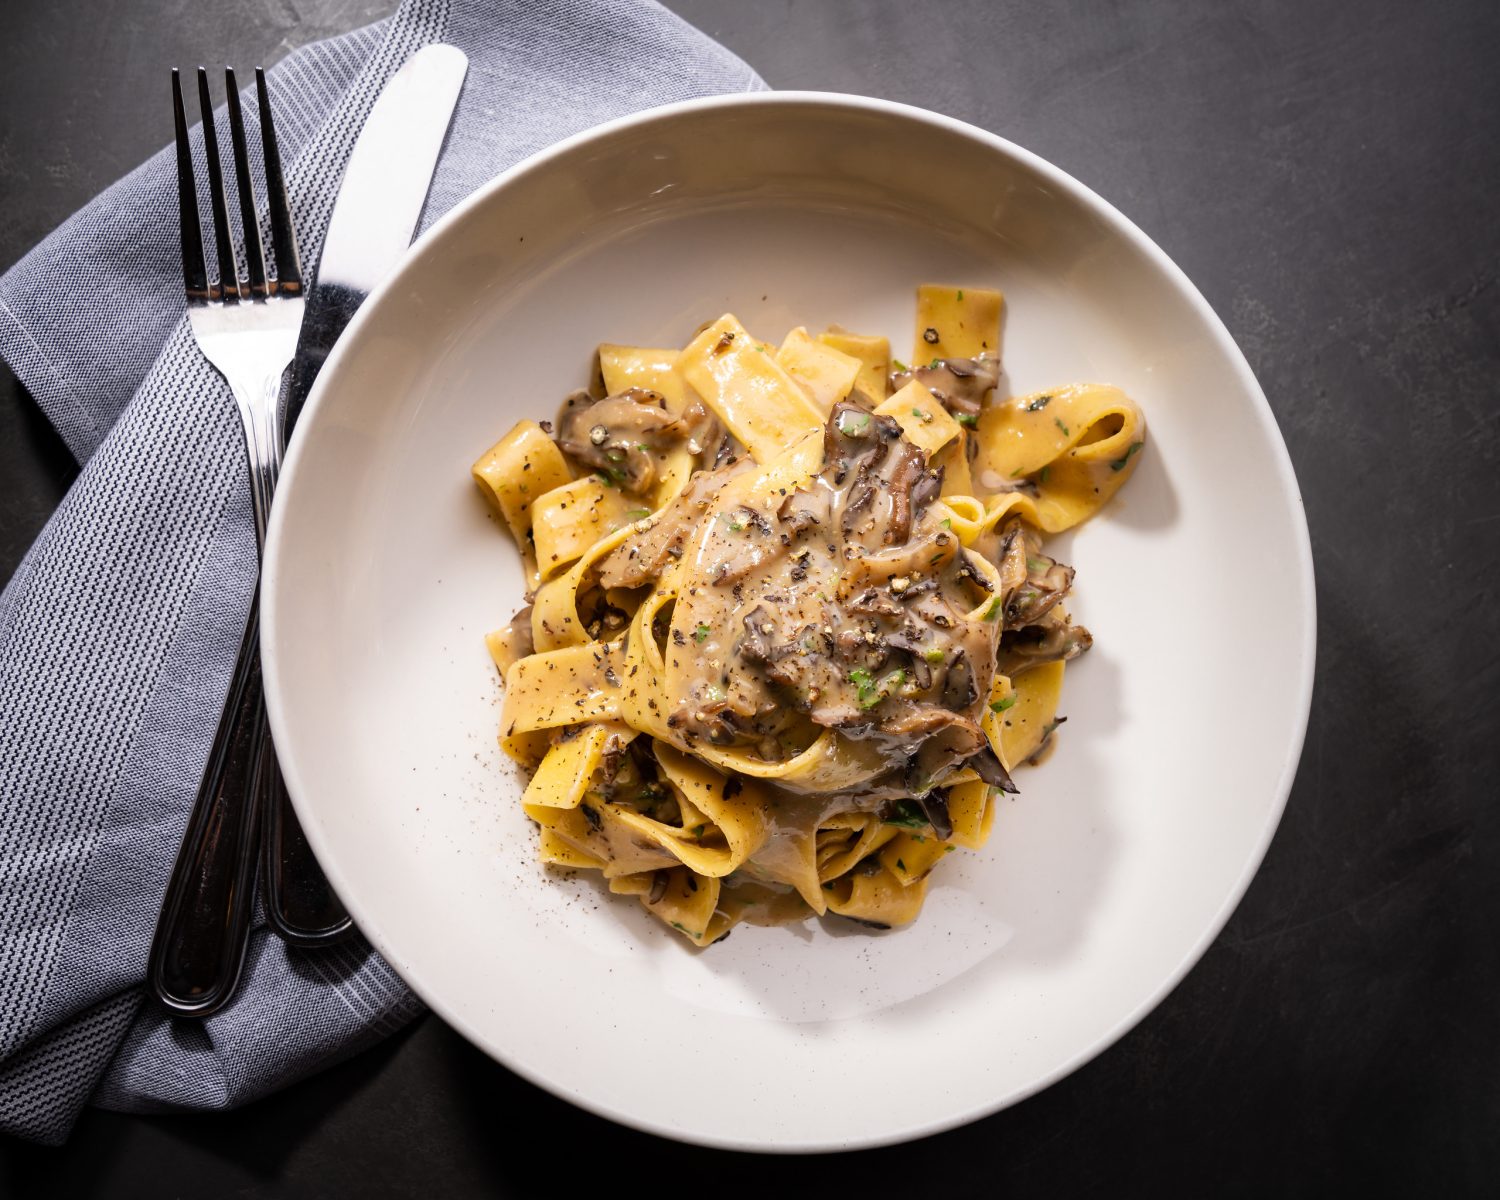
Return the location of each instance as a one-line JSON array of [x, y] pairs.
[[378, 204], [379, 200]]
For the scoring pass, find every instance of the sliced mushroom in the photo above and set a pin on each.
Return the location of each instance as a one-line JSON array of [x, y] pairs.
[[640, 558], [1022, 649], [934, 806], [756, 645], [522, 636], [941, 752], [959, 384], [1047, 581], [987, 765], [622, 434], [1010, 557]]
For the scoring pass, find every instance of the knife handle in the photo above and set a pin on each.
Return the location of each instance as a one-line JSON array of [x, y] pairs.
[[198, 950], [301, 905]]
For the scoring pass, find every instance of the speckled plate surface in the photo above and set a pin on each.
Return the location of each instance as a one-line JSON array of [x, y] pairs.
[[1104, 881]]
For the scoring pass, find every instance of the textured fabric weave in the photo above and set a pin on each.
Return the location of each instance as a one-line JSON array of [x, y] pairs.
[[119, 631]]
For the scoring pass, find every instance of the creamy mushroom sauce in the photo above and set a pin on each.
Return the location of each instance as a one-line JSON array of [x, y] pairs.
[[845, 601], [846, 604]]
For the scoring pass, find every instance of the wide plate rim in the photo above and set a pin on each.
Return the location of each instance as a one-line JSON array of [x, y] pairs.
[[272, 616]]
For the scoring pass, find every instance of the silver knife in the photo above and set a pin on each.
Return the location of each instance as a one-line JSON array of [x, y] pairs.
[[379, 201]]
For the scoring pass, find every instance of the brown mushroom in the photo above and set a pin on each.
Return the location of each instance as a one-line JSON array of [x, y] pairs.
[[959, 384]]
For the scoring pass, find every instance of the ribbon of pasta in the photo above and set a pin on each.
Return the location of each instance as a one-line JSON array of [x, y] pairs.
[[631, 665], [847, 839], [924, 422], [1021, 710], [735, 814], [824, 372], [555, 619], [516, 471], [955, 322], [1070, 450], [971, 808], [878, 898], [874, 356], [563, 687], [749, 391], [565, 773]]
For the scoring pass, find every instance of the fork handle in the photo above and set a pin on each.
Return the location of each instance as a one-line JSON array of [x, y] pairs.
[[199, 947], [301, 906]]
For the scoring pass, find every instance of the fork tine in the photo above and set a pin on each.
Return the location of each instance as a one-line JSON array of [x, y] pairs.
[[194, 273], [229, 276], [255, 259], [283, 233]]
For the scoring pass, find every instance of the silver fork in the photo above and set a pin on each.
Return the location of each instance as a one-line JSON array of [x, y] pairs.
[[246, 326]]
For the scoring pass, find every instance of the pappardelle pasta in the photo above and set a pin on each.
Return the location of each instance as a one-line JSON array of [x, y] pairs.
[[791, 625]]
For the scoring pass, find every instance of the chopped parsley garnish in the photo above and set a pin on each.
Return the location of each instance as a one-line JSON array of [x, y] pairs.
[[969, 420], [934, 656], [922, 415], [960, 293], [698, 830], [870, 692], [864, 684], [1038, 565], [852, 424], [1000, 706], [1039, 403], [700, 635], [636, 514], [1119, 463], [993, 610], [899, 365], [1047, 470], [908, 814], [736, 527], [643, 448], [1058, 422], [935, 363], [946, 522]]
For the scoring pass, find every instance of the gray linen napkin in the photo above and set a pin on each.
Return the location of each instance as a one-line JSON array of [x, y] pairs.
[[118, 632]]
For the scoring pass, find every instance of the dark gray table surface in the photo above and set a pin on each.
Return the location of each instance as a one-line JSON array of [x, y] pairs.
[[1327, 174]]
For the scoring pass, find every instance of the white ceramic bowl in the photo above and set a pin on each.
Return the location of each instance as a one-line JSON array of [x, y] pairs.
[[1104, 881]]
